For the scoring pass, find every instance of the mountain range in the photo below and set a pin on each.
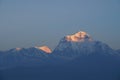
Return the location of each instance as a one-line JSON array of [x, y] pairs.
[[78, 56]]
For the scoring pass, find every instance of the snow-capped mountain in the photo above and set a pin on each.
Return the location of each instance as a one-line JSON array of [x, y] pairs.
[[69, 48], [77, 57], [23, 56], [45, 49], [81, 43]]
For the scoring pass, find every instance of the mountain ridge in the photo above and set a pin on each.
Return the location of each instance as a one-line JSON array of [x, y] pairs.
[[77, 57], [69, 48]]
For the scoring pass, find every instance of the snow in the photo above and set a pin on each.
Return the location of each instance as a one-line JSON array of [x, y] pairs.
[[79, 37], [45, 49], [81, 43]]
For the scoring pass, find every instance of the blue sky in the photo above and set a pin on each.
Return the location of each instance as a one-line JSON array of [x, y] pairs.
[[27, 23]]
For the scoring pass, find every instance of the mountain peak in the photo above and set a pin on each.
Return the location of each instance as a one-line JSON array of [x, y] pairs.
[[79, 37], [18, 49], [45, 49]]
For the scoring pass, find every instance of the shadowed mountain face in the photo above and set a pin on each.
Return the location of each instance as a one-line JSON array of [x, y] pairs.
[[77, 57], [82, 44]]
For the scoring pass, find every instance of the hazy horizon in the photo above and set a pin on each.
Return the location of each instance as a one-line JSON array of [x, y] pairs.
[[29, 23]]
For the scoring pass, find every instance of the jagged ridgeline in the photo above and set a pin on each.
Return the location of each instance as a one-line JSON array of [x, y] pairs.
[[76, 57]]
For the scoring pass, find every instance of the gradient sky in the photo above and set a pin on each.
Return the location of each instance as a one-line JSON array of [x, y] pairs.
[[27, 23]]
